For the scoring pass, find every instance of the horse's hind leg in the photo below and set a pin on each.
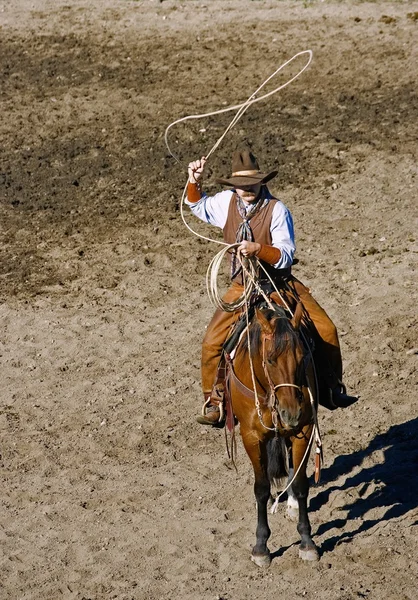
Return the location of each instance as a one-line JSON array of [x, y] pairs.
[[292, 508], [300, 488]]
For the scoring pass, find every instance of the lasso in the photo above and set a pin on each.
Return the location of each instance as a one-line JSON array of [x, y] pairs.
[[212, 273], [241, 109]]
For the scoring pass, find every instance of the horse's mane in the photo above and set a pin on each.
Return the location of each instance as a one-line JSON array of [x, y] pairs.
[[284, 336]]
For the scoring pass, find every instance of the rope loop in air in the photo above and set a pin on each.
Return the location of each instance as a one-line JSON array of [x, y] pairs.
[[240, 110]]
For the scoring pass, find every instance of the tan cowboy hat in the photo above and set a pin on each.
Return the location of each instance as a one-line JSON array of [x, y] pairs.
[[245, 171]]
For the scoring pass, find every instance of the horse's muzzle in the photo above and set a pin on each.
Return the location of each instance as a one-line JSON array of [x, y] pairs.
[[290, 419]]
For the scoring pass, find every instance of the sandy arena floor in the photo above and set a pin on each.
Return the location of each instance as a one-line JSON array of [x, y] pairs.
[[109, 488]]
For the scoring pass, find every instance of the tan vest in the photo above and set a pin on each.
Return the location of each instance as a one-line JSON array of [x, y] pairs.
[[260, 225]]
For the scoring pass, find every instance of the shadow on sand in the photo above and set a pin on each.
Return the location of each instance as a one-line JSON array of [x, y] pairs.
[[396, 480]]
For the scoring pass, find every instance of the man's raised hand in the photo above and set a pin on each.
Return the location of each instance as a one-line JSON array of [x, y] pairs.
[[196, 169]]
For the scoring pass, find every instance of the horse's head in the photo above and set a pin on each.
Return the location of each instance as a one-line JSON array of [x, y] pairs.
[[280, 346]]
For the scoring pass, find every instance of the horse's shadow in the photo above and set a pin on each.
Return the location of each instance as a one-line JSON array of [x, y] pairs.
[[395, 480]]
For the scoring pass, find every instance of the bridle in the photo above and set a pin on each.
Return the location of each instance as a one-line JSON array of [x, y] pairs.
[[277, 422]]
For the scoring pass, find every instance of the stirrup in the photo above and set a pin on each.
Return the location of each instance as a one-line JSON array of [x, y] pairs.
[[203, 418], [220, 406]]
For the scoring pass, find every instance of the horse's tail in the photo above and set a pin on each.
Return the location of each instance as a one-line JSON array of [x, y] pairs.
[[277, 460]]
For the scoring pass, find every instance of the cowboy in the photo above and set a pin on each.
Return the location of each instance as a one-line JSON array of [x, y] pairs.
[[249, 215]]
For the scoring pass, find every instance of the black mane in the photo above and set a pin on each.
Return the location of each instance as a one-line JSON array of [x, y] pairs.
[[284, 336]]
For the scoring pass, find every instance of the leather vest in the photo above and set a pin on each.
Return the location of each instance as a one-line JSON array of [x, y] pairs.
[[260, 223], [260, 226]]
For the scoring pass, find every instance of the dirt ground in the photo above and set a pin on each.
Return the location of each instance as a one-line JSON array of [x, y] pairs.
[[109, 487]]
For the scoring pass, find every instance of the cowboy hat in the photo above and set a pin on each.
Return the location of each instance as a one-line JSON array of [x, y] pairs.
[[246, 171]]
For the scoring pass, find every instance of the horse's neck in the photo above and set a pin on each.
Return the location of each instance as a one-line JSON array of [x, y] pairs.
[[242, 367]]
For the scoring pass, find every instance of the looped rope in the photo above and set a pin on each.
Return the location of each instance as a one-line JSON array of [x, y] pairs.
[[249, 269], [241, 109]]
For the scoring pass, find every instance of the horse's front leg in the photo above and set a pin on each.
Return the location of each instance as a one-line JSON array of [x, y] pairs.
[[260, 553], [300, 488]]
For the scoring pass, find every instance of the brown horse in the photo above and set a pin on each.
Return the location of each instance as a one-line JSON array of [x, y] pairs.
[[276, 423]]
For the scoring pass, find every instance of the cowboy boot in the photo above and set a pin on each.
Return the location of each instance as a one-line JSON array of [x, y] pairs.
[[213, 410], [340, 398], [336, 397]]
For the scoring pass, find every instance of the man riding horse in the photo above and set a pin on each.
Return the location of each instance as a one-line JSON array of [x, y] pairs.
[[249, 215]]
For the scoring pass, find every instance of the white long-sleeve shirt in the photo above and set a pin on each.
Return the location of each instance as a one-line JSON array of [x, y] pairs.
[[214, 210]]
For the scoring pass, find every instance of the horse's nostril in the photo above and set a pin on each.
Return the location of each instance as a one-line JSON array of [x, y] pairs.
[[290, 419], [284, 415]]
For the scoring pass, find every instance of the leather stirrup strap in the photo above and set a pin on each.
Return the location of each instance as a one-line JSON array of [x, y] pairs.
[[238, 383]]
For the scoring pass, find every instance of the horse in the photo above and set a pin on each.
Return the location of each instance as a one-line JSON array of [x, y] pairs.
[[276, 422]]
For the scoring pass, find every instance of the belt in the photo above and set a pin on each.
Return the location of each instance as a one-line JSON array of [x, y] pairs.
[[274, 273], [277, 275]]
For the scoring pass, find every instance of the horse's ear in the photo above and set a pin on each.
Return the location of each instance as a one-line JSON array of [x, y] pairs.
[[266, 326], [296, 319]]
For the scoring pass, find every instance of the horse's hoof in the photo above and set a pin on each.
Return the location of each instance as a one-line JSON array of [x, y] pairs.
[[261, 560], [311, 554]]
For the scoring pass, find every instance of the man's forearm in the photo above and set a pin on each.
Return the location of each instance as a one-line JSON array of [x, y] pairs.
[[269, 254], [194, 192]]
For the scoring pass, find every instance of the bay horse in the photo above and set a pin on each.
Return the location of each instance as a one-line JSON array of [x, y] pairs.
[[276, 423]]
